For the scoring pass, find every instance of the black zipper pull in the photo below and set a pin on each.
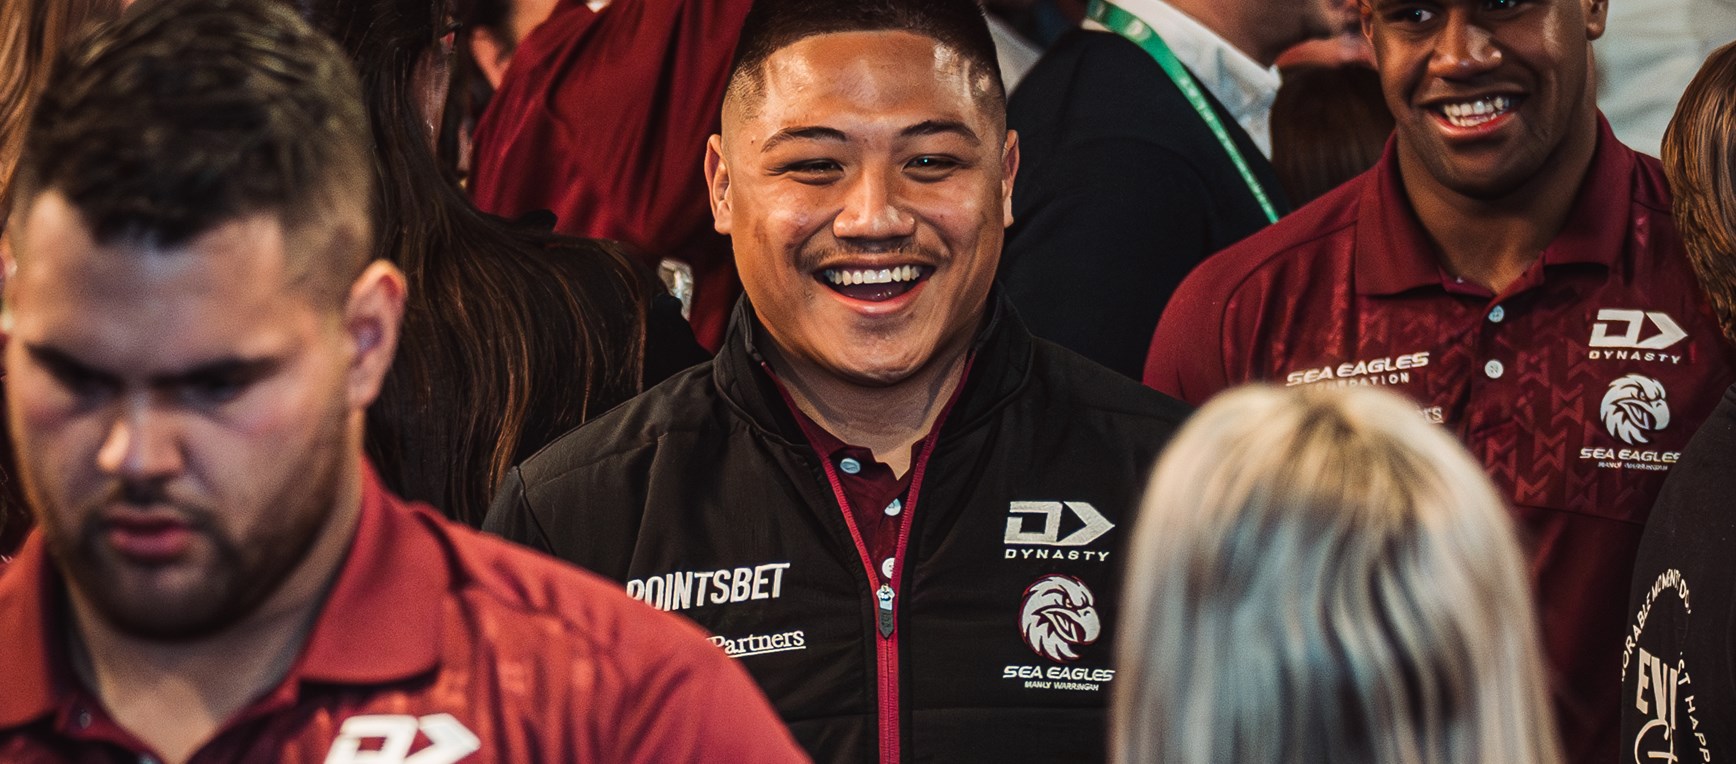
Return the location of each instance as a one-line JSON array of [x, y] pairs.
[[885, 596]]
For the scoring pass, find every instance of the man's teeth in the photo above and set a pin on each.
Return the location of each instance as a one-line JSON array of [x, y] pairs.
[[1473, 113], [853, 276]]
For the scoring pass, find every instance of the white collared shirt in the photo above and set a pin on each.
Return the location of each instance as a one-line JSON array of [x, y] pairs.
[[1241, 84]]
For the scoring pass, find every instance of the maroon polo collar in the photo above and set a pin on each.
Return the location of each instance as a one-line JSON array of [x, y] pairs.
[[380, 624], [1393, 253]]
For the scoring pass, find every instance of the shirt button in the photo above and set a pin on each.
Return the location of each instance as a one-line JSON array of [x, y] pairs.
[[886, 567], [1494, 369], [849, 466], [83, 719], [1497, 314], [894, 508], [147, 759]]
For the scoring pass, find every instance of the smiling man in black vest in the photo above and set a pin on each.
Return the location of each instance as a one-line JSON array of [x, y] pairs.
[[900, 511]]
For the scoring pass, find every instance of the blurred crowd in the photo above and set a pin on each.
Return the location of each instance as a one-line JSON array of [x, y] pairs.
[[883, 380]]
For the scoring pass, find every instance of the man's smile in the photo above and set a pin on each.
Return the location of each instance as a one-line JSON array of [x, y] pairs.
[[871, 284]]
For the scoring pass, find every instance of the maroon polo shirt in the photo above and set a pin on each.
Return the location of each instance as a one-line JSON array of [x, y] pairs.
[[1577, 387], [436, 641], [602, 118], [875, 496]]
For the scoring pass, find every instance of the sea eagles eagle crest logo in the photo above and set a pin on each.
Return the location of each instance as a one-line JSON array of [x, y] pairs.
[[1634, 406], [1059, 616]]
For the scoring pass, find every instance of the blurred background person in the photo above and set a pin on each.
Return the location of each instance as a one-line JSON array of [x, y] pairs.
[[1325, 576], [512, 335], [1678, 694], [31, 33], [1146, 144], [1329, 124], [1645, 60], [601, 117]]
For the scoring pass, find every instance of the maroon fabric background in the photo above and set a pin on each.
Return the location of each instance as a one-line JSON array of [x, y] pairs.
[[602, 118]]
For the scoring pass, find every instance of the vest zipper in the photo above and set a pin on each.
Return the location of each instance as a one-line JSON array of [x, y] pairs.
[[885, 599]]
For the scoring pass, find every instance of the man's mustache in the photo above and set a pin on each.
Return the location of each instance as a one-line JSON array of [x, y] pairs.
[[811, 259]]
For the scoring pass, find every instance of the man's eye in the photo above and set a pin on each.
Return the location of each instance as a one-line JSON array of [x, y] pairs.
[[1501, 5], [216, 390], [81, 385], [933, 166], [1414, 15], [811, 171]]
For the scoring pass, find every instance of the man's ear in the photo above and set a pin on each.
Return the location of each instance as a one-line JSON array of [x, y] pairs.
[[1365, 11], [1596, 18], [717, 184], [1009, 173], [491, 54], [373, 315]]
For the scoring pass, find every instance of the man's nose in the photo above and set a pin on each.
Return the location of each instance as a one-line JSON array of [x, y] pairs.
[[873, 209], [1463, 48], [143, 443]]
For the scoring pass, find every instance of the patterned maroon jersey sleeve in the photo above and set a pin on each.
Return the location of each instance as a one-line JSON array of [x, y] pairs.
[[1186, 360]]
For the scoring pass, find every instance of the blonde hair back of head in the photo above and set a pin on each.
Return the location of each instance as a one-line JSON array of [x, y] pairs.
[[1320, 575]]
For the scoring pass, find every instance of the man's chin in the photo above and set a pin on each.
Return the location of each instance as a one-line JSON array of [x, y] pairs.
[[183, 602], [177, 617], [876, 376]]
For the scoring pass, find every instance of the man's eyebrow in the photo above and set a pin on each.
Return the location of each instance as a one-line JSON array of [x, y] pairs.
[[61, 363], [941, 127], [238, 369], [804, 133], [223, 369]]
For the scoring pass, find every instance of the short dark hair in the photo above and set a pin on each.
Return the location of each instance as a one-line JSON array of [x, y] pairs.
[[772, 25], [1699, 159], [187, 114]]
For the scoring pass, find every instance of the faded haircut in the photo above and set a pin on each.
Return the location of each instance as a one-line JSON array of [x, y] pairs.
[[1700, 161], [773, 25], [188, 114]]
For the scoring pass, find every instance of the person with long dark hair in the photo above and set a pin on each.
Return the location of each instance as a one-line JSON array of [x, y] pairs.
[[31, 33], [1678, 693], [512, 335]]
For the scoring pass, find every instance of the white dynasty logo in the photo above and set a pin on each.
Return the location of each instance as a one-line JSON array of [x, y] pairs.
[[1050, 533], [1059, 616], [1632, 323], [386, 739], [1634, 406]]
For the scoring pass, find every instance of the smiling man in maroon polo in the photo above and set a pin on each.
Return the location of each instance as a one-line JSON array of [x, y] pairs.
[[1514, 268], [899, 510], [217, 574]]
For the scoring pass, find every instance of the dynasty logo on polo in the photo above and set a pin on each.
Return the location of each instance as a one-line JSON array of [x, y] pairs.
[[388, 738], [1635, 335], [1044, 540]]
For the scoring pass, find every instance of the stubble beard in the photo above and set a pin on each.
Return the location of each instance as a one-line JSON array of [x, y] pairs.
[[241, 574]]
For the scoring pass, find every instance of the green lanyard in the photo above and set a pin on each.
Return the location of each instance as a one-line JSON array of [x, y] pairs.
[[1139, 33]]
